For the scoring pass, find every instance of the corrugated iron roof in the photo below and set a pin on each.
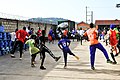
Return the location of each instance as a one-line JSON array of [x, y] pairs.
[[107, 22]]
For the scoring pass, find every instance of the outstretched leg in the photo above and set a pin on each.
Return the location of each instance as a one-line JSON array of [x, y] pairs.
[[51, 54]]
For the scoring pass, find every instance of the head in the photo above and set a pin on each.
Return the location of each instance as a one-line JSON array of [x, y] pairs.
[[91, 25], [28, 27], [16, 29], [33, 37], [63, 37], [112, 26], [24, 28]]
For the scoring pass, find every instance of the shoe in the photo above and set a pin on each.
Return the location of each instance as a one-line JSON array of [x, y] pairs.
[[116, 54], [34, 62], [42, 67], [65, 67], [77, 57], [57, 58], [20, 58], [93, 68], [12, 55], [32, 65], [109, 61], [114, 62]]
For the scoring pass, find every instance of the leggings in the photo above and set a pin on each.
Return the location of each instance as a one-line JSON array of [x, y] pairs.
[[45, 49]]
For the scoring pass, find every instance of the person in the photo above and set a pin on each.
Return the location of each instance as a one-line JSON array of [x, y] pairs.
[[113, 42], [94, 44], [13, 37], [81, 35], [117, 29], [41, 42], [32, 49], [39, 32], [64, 44], [73, 34], [106, 37], [20, 39]]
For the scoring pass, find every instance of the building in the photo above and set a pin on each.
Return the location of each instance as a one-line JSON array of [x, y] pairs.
[[105, 24], [82, 25]]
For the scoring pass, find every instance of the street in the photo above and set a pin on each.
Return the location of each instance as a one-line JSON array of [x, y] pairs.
[[15, 69]]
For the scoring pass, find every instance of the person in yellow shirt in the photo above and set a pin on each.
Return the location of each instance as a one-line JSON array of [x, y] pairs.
[[94, 44]]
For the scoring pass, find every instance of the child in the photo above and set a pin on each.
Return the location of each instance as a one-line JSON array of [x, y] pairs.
[[64, 44], [33, 50], [113, 42], [41, 41]]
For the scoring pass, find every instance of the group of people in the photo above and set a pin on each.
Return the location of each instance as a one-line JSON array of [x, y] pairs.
[[37, 45]]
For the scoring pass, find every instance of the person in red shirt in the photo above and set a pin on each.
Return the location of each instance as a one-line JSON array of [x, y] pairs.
[[20, 39], [113, 42], [39, 32]]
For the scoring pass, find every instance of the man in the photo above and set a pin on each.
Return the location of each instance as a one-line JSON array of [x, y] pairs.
[[20, 39], [94, 43], [44, 49]]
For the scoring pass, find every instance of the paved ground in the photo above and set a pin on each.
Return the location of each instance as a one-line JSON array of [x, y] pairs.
[[14, 69]]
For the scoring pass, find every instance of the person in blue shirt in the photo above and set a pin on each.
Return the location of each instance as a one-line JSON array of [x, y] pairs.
[[64, 44]]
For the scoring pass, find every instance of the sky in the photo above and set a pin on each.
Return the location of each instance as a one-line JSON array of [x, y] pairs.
[[74, 10]]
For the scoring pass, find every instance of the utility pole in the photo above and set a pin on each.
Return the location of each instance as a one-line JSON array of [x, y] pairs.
[[91, 16], [86, 14]]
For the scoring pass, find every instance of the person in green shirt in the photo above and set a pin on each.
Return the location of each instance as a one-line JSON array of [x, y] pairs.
[[32, 49]]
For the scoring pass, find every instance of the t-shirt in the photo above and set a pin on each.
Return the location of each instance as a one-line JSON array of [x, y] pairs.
[[32, 48], [64, 44], [21, 35], [113, 38], [92, 36]]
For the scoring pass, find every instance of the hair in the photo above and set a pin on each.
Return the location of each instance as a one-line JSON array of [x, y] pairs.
[[16, 29], [24, 28], [91, 25], [33, 37], [28, 27]]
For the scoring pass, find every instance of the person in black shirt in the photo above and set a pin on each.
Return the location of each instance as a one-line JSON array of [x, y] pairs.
[[41, 44]]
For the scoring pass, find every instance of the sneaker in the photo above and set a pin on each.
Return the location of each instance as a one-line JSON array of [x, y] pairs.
[[42, 67], [65, 67], [32, 65], [34, 62], [93, 68], [114, 62], [116, 54], [20, 58], [12, 55], [109, 61], [57, 58], [77, 57]]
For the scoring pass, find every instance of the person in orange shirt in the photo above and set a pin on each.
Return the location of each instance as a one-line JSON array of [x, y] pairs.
[[94, 44]]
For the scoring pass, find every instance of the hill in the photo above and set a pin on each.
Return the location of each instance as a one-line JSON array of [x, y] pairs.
[[51, 20]]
